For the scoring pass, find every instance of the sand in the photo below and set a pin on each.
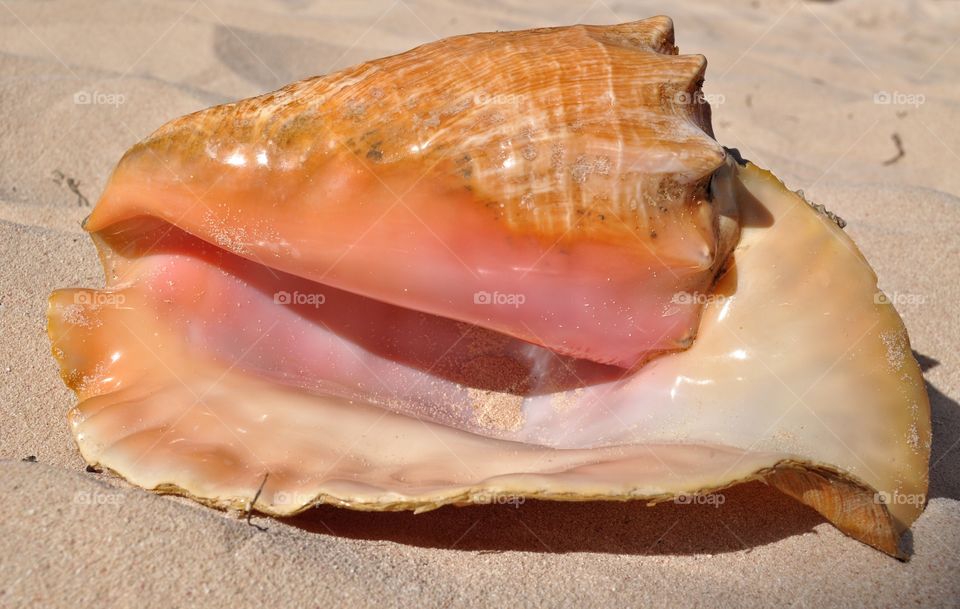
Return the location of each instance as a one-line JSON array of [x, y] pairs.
[[798, 87]]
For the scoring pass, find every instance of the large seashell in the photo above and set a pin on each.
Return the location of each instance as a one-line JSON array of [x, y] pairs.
[[290, 307]]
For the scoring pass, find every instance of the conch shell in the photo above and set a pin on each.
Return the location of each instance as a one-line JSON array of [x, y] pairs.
[[499, 264]]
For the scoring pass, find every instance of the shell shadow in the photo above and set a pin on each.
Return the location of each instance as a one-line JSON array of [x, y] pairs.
[[945, 452], [748, 516]]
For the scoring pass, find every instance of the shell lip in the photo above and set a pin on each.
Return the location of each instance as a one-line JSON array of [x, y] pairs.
[[891, 538]]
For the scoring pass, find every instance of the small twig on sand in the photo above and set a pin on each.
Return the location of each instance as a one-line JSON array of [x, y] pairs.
[[73, 184], [900, 151], [254, 502]]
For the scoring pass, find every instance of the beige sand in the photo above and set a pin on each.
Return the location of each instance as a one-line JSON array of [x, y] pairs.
[[793, 85]]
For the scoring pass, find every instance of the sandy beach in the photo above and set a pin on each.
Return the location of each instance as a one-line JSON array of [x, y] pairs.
[[854, 102]]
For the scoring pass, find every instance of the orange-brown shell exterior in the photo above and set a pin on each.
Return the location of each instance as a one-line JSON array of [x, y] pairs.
[[572, 127]]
